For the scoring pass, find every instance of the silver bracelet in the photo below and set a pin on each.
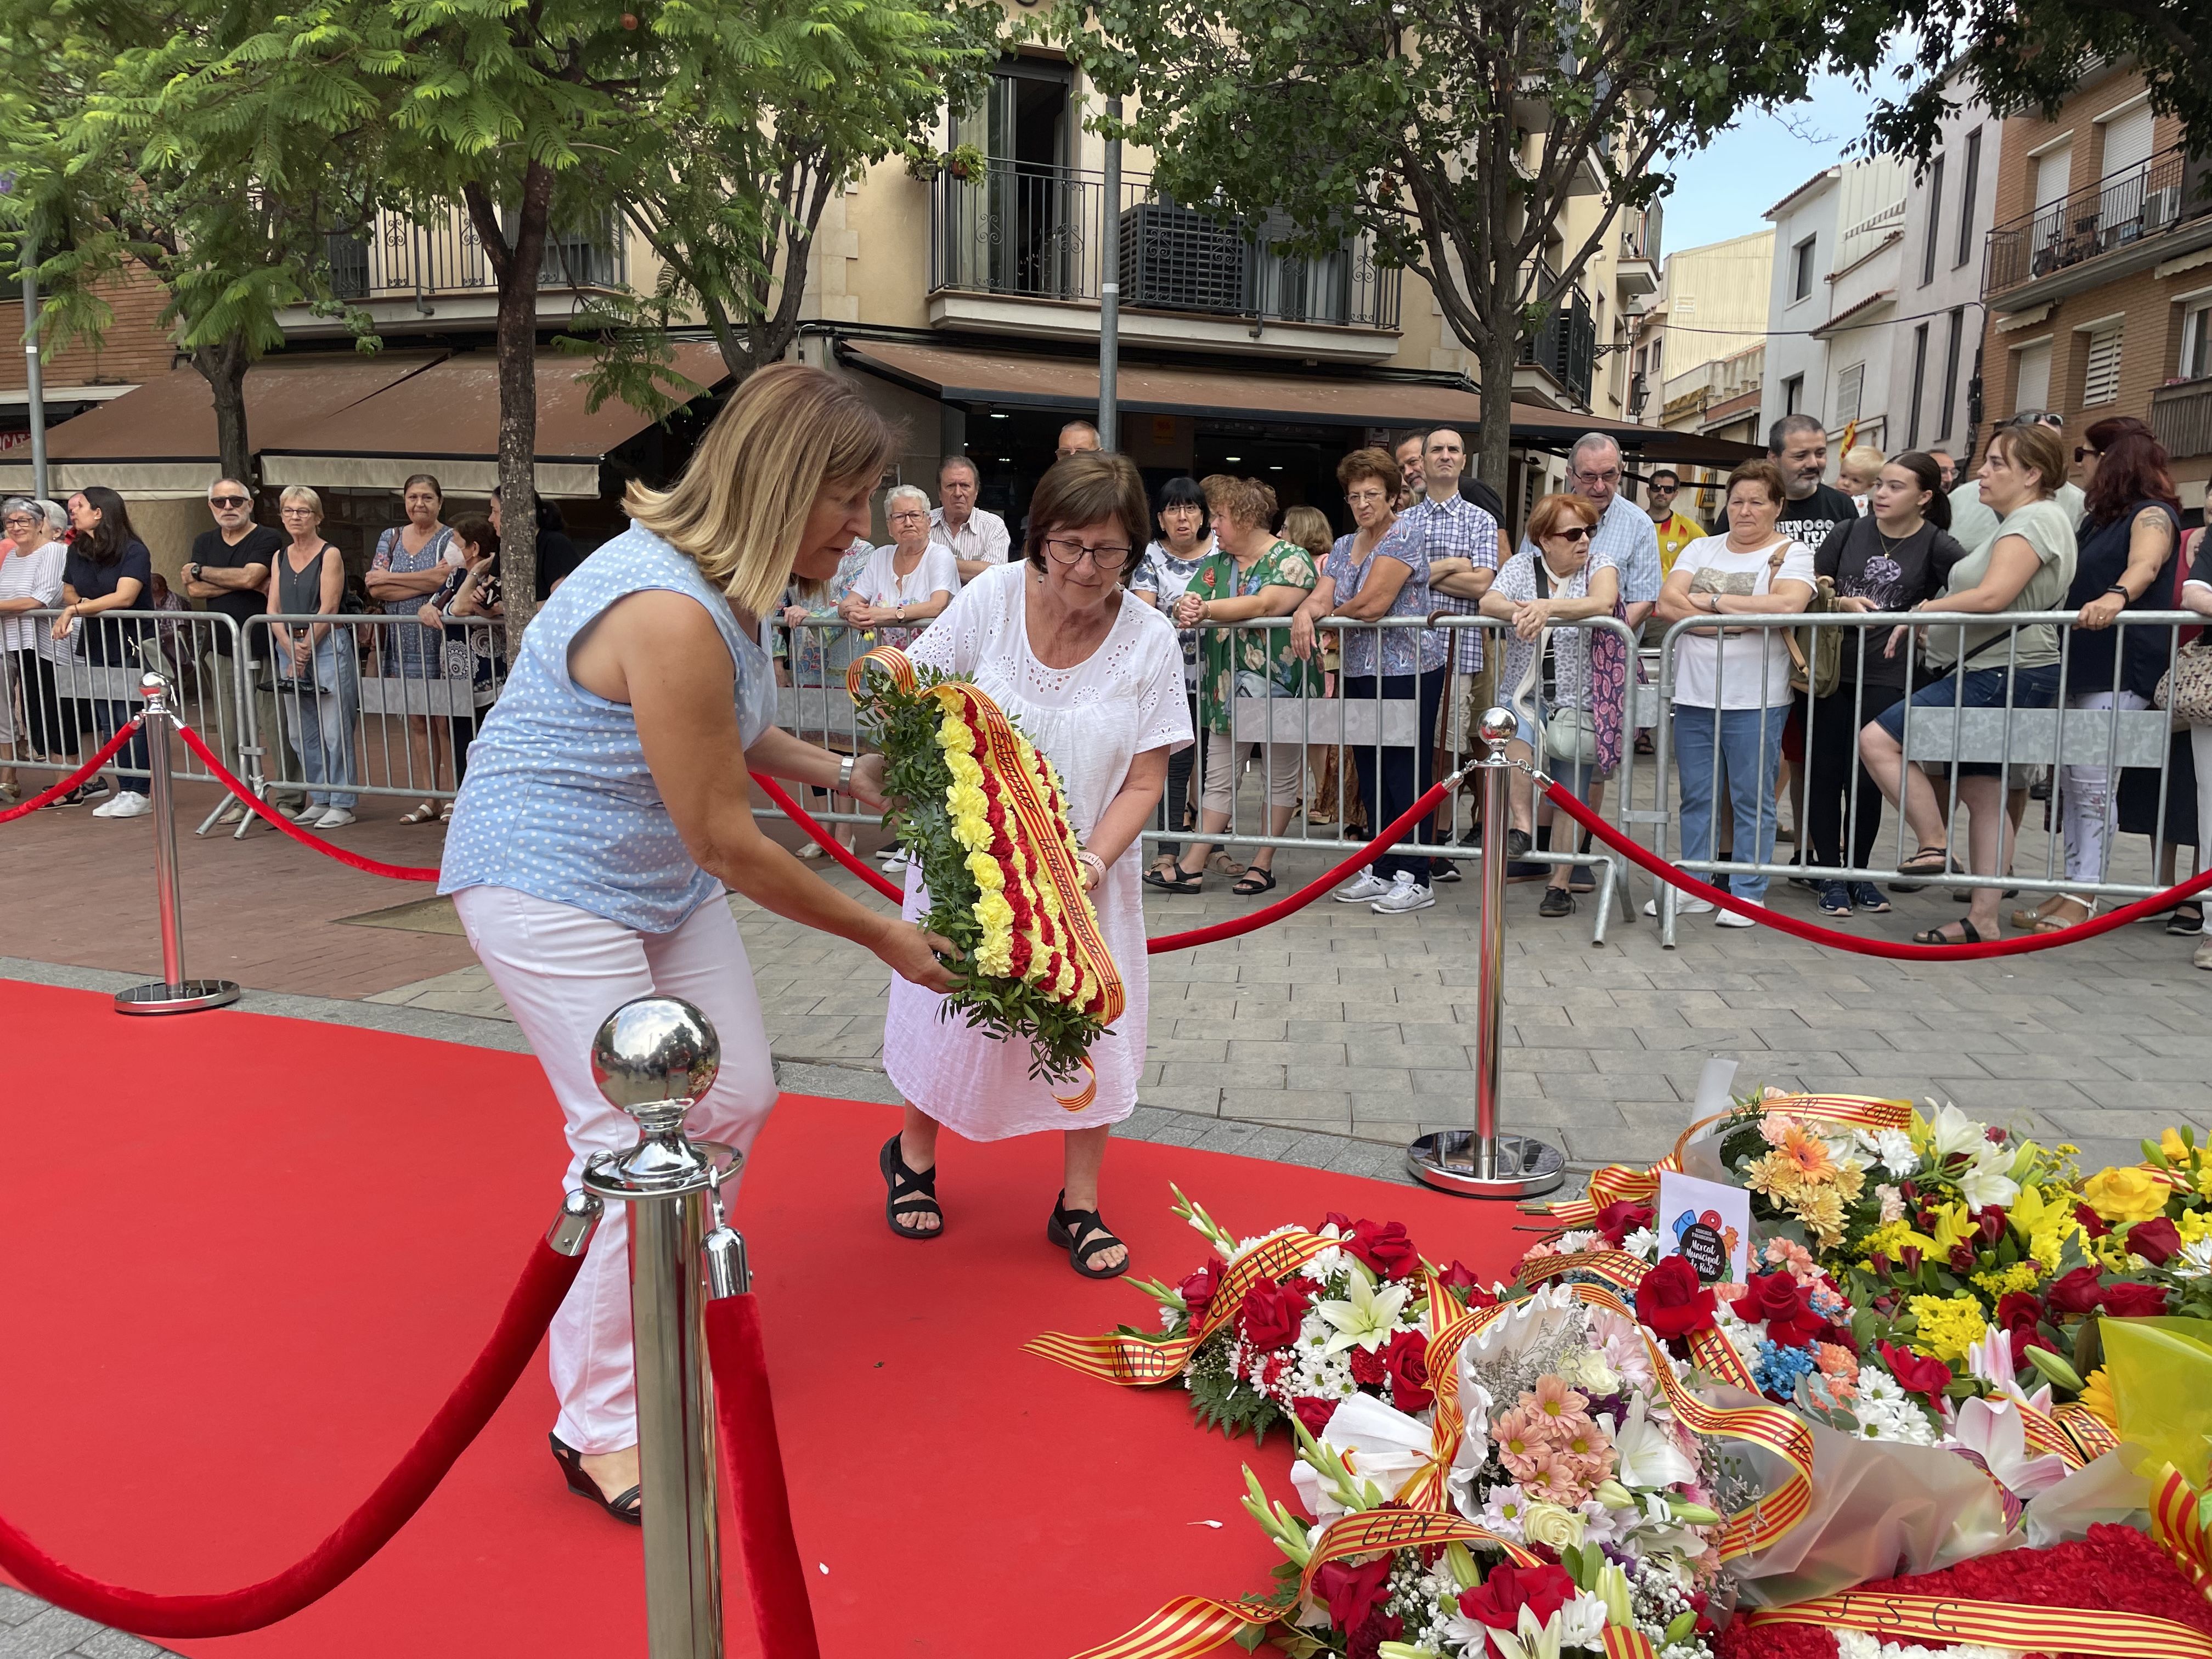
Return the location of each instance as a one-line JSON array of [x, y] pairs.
[[845, 774]]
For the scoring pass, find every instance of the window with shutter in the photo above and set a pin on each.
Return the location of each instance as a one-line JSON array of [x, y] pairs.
[[2101, 384], [2030, 388], [1850, 386]]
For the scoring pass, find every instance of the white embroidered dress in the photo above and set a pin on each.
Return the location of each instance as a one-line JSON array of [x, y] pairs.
[[1091, 722]]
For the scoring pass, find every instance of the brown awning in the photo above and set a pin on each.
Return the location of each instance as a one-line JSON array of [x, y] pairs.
[[160, 439], [967, 374], [445, 420]]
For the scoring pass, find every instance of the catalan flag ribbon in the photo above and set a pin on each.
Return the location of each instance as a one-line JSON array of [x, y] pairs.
[[1932, 1620]]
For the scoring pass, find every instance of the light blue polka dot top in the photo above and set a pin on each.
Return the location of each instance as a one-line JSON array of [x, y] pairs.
[[558, 802]]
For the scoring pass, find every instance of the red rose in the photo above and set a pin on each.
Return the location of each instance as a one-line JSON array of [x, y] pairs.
[[1271, 1316], [1367, 1369], [1350, 1592], [1378, 1627], [1497, 1602], [1621, 1217], [1915, 1374], [1407, 1359], [1384, 1247], [1313, 1412], [2016, 1308], [1779, 1300], [2156, 1241], [1197, 1292], [2133, 1301], [2074, 1293], [2097, 1224], [1462, 1278], [1670, 1302]]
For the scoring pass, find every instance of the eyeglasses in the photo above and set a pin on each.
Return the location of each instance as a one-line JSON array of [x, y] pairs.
[[1581, 533], [227, 501], [1611, 476], [297, 510], [904, 517], [18, 518], [1104, 560]]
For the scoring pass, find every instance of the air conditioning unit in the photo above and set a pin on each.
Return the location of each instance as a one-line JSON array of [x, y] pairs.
[[1177, 258]]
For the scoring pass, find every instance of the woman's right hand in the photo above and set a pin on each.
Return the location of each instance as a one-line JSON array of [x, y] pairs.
[[1301, 636], [912, 953], [1854, 601], [794, 615]]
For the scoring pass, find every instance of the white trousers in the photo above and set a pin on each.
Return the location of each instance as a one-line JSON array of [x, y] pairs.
[[562, 971], [2088, 800]]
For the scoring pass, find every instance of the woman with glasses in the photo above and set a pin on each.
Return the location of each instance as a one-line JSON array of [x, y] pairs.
[[904, 586], [317, 681], [31, 579], [411, 564], [1161, 575], [1094, 677]]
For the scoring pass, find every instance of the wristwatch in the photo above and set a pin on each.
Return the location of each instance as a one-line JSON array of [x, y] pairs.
[[2126, 598], [845, 774]]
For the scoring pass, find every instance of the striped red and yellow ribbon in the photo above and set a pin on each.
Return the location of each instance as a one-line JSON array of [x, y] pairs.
[[1941, 1621], [2176, 1523], [1040, 818], [1616, 1182], [1188, 1626]]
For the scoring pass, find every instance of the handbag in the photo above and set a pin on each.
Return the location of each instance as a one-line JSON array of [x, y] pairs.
[[1570, 734], [1816, 654], [2186, 690]]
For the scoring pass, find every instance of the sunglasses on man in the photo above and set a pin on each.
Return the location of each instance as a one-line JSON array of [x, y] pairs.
[[227, 501]]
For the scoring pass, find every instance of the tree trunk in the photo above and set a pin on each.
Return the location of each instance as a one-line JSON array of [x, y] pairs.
[[516, 263], [224, 367], [1501, 348]]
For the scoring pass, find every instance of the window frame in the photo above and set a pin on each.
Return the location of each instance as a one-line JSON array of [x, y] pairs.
[[1968, 190], [1934, 219], [1801, 268]]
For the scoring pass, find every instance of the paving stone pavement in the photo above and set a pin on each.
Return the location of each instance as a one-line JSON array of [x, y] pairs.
[[29, 1629]]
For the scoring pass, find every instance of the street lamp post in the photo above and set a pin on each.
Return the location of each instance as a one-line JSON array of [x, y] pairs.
[[1110, 294]]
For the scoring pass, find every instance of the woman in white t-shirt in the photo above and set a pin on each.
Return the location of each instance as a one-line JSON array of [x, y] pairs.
[[906, 586], [1732, 686]]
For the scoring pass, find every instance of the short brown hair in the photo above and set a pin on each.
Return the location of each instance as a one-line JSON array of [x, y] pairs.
[[1370, 463], [476, 530], [1245, 499], [1308, 526], [1552, 514], [1082, 489], [2037, 449], [1761, 471]]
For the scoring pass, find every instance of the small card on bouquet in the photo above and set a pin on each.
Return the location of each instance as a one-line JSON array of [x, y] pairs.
[[1708, 1224]]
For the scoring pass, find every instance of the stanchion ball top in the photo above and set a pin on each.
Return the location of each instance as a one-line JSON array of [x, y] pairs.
[[1497, 727], [654, 1051]]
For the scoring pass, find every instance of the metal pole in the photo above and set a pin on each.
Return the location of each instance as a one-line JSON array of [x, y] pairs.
[[175, 994], [1109, 295], [654, 1058], [1484, 1163], [33, 371]]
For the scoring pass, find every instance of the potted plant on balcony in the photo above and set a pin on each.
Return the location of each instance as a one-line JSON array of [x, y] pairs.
[[961, 161]]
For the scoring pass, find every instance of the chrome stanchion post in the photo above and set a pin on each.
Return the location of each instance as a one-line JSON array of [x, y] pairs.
[[654, 1058], [1481, 1162], [175, 994]]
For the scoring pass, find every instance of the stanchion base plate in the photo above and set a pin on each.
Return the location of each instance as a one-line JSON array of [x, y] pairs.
[[1524, 1167], [159, 998]]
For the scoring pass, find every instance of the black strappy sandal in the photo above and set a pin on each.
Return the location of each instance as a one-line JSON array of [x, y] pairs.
[[912, 1192], [626, 1507], [1968, 935], [1254, 882], [1182, 881], [1083, 1235]]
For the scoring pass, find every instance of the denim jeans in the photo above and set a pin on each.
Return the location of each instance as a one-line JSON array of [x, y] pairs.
[[319, 716], [1743, 761]]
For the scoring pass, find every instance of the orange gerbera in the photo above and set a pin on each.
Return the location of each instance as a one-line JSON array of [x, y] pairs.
[[1809, 1153]]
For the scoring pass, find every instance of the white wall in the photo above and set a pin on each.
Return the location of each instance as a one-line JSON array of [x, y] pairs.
[[1789, 350], [1956, 284]]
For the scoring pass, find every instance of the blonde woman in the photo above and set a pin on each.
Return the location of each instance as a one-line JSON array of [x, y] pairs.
[[606, 807]]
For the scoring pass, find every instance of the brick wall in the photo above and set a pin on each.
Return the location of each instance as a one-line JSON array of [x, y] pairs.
[[136, 348]]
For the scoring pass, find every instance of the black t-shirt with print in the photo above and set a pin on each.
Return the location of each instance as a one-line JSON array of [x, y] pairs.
[[1865, 564], [259, 545], [1811, 519]]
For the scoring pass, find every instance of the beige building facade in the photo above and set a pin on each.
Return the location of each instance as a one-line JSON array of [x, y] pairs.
[[1700, 354]]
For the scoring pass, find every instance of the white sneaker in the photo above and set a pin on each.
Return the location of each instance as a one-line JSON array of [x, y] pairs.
[[1731, 919], [126, 803], [1406, 894], [337, 819], [1363, 889], [1686, 904], [895, 860]]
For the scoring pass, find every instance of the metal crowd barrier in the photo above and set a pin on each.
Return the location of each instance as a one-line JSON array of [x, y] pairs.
[[1276, 733], [60, 699], [1938, 738]]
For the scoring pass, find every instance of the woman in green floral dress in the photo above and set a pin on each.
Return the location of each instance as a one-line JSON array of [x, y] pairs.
[[1251, 574]]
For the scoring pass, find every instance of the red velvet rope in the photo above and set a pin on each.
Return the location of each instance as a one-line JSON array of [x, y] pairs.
[[827, 842], [1650, 861], [255, 804], [544, 1282], [123, 735], [745, 1419]]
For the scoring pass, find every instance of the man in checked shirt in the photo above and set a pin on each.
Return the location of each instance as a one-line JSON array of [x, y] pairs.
[[1462, 541]]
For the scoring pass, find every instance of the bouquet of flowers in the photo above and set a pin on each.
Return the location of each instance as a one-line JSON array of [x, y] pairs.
[[982, 814]]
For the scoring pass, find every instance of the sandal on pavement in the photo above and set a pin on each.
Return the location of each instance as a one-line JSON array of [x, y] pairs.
[[1183, 881], [1968, 935], [1928, 861], [445, 812], [628, 1507], [2057, 920], [426, 813], [1254, 882], [1083, 1235], [912, 1192]]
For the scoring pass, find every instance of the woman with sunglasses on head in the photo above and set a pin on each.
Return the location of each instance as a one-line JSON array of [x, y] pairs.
[[1093, 675]]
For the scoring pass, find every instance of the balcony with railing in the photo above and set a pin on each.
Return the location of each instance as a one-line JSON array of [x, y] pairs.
[[2124, 221], [1565, 347], [1020, 233], [1635, 265], [403, 265], [2181, 416]]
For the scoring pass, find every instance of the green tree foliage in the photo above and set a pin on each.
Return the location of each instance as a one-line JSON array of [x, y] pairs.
[[212, 144], [2031, 54], [1453, 132]]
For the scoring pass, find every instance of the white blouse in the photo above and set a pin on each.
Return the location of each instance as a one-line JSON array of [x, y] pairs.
[[34, 576]]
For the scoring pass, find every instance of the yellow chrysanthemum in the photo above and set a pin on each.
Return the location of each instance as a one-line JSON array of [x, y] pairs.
[[1822, 1212], [1997, 1281], [2194, 1224], [1947, 1327], [1891, 1239], [2097, 1398]]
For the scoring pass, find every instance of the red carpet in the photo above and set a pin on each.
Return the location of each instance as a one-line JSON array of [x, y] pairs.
[[243, 1259]]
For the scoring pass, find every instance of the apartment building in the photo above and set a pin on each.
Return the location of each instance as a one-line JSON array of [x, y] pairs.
[[1949, 209], [2097, 272], [1700, 352]]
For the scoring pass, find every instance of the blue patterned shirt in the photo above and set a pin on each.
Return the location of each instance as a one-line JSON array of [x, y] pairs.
[[1455, 528], [1405, 650]]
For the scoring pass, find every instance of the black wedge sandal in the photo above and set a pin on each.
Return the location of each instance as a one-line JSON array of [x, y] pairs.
[[1083, 1235], [626, 1507], [912, 1192]]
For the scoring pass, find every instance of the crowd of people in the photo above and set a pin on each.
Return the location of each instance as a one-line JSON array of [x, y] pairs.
[[1269, 602]]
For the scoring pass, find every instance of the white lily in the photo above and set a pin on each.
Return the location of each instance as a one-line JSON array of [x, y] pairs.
[[1649, 1457], [1380, 1445], [1988, 1180], [1950, 1130], [1993, 1431], [1528, 1639], [1366, 1318]]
